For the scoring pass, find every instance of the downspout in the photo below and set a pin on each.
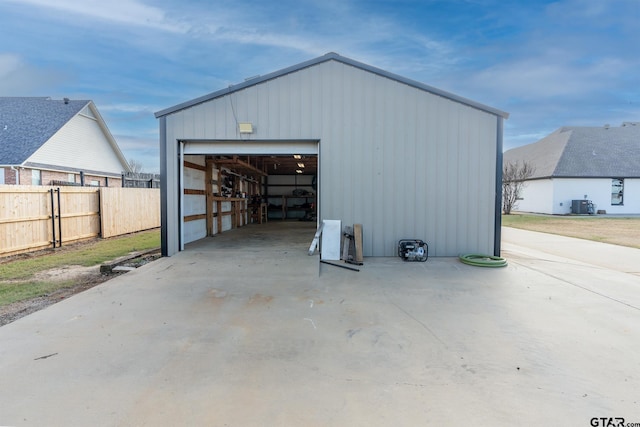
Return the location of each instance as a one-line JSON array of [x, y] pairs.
[[498, 202], [181, 195], [13, 168]]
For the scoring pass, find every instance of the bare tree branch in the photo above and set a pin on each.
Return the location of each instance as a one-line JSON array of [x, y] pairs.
[[514, 176], [135, 166]]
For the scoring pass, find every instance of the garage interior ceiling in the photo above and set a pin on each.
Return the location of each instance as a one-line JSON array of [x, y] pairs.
[[280, 165]]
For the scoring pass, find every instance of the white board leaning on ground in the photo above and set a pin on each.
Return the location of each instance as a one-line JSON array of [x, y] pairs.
[[331, 240]]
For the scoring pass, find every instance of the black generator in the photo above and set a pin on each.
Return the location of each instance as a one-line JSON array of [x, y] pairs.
[[413, 250]]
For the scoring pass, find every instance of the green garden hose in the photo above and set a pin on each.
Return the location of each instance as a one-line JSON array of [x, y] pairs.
[[479, 260]]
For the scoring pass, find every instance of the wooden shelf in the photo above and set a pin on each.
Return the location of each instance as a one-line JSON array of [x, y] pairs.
[[240, 166], [238, 211], [228, 199], [258, 212]]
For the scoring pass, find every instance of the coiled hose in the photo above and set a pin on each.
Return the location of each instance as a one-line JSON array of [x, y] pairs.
[[478, 260]]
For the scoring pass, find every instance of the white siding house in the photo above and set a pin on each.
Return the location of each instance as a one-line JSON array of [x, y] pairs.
[[57, 140], [600, 164], [402, 158]]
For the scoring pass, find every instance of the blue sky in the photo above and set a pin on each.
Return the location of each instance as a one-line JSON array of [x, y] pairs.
[[548, 63]]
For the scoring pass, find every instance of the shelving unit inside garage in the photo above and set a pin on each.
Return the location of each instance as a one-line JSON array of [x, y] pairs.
[[225, 192], [290, 196]]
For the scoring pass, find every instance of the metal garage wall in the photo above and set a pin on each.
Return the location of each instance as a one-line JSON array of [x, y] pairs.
[[402, 161], [408, 164]]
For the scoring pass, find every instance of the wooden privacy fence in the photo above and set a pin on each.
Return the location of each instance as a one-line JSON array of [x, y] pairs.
[[127, 210], [39, 217]]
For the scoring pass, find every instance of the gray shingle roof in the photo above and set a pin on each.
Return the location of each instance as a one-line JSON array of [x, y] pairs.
[[27, 123], [584, 152]]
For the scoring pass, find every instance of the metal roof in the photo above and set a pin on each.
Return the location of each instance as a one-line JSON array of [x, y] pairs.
[[27, 123], [330, 57], [584, 152]]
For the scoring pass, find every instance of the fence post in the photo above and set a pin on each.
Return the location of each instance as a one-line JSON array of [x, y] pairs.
[[59, 218], [100, 212], [53, 219]]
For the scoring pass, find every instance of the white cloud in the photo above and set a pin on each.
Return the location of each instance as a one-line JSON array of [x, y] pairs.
[[18, 78], [315, 28], [144, 150], [535, 78], [8, 65], [128, 12], [253, 36], [312, 29], [541, 67], [129, 108], [547, 65]]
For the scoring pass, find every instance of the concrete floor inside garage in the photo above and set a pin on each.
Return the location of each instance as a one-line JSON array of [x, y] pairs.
[[246, 329]]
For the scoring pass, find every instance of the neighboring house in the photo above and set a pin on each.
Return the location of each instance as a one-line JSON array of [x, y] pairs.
[[52, 142], [600, 164]]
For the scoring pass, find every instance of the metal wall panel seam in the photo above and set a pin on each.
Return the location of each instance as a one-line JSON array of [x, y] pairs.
[[498, 194]]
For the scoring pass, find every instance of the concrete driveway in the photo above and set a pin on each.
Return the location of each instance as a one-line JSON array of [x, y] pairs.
[[245, 332]]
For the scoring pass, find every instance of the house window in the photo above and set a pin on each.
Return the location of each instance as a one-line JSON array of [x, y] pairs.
[[617, 192], [36, 177], [71, 177], [1, 176]]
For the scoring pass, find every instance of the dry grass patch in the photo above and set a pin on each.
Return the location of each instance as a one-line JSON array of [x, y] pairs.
[[617, 231], [31, 281]]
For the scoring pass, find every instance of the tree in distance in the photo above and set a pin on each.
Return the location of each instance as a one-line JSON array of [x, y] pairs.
[[514, 176]]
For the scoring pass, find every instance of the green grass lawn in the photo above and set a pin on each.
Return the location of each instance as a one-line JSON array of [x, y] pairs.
[[17, 281]]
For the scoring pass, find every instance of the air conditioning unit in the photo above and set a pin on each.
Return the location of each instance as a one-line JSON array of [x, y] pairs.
[[581, 207]]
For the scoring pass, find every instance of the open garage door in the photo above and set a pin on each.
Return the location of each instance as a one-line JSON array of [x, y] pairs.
[[226, 184]]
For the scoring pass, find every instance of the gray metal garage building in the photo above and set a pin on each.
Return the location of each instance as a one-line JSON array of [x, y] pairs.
[[403, 159]]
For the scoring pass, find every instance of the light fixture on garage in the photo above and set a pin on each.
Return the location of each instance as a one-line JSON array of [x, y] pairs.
[[297, 156], [300, 165], [298, 171], [245, 127]]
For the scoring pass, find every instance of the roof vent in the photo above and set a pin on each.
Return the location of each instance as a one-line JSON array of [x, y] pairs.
[[66, 100]]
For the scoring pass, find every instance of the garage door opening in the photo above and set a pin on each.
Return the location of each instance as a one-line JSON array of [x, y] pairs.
[[226, 185]]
